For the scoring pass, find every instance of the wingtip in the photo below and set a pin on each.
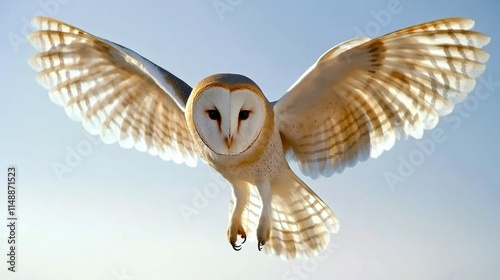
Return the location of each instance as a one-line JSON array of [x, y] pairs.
[[465, 21], [37, 22], [33, 63], [486, 41]]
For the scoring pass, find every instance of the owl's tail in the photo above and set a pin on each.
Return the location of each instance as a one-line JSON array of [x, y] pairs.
[[301, 221]]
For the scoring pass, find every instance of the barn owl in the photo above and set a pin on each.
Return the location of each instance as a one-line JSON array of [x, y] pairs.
[[350, 105]]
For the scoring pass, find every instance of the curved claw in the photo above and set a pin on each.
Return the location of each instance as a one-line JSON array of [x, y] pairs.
[[236, 247], [260, 245], [234, 234]]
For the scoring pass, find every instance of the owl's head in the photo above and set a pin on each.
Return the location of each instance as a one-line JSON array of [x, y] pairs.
[[228, 112]]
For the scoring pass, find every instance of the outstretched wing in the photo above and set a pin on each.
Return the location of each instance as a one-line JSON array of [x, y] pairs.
[[115, 92], [362, 95]]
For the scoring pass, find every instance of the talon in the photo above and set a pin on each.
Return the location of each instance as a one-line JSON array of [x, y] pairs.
[[233, 243], [233, 234], [260, 245], [236, 247]]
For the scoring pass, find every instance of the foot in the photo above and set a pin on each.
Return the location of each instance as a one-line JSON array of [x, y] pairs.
[[233, 231]]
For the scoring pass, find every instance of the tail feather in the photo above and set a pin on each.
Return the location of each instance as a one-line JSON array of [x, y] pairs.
[[301, 221]]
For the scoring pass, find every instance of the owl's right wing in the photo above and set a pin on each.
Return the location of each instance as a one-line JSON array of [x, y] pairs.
[[115, 92], [362, 95]]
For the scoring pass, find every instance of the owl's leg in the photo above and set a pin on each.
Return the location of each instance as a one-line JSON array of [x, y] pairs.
[[264, 228], [241, 197]]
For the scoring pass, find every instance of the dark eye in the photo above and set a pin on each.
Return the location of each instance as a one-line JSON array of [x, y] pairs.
[[243, 115], [213, 114]]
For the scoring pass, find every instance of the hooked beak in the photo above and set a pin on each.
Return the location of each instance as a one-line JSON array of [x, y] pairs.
[[229, 141]]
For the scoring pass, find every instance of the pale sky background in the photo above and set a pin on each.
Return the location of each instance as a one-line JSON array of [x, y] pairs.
[[115, 215]]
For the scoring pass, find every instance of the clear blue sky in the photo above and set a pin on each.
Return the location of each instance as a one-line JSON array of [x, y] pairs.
[[115, 213]]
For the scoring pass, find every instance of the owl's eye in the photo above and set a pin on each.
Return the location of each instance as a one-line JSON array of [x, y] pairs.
[[214, 115], [243, 115]]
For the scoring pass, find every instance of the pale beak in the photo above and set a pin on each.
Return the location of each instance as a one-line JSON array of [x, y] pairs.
[[229, 141]]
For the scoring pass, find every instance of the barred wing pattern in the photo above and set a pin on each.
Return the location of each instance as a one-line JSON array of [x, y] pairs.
[[362, 95], [115, 92]]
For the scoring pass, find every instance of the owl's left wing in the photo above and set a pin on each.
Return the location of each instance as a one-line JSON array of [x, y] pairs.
[[363, 94], [114, 91]]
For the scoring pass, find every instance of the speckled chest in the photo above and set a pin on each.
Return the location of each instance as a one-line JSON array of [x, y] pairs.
[[261, 163]]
